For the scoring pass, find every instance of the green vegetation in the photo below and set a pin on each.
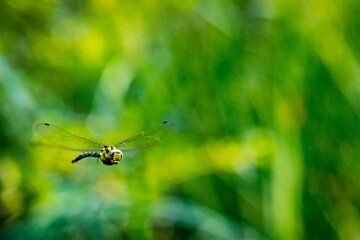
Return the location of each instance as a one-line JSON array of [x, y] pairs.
[[265, 97]]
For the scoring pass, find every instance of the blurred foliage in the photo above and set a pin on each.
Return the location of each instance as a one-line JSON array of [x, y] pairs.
[[265, 97]]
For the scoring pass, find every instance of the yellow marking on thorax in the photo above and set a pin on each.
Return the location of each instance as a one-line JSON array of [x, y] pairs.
[[105, 153]]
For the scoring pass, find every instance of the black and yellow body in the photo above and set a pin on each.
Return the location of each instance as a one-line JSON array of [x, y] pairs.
[[109, 155]]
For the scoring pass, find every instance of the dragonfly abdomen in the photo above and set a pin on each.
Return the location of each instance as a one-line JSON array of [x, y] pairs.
[[85, 155]]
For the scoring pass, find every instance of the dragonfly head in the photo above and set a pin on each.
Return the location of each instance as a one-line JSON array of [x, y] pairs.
[[116, 155]]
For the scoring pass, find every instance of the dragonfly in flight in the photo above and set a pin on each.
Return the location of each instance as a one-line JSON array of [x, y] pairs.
[[108, 154]]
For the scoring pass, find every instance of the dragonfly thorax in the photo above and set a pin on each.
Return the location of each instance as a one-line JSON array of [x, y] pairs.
[[110, 155]]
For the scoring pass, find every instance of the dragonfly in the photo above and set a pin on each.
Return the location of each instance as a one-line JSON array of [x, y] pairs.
[[108, 154]]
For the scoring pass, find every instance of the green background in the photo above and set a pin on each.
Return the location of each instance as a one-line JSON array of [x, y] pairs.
[[264, 96]]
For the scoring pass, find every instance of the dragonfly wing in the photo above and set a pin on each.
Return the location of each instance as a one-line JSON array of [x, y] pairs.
[[145, 139], [62, 138]]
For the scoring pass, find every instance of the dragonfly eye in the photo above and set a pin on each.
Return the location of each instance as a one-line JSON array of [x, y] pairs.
[[116, 155]]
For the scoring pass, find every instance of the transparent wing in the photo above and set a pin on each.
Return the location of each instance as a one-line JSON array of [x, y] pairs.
[[61, 138], [145, 139]]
